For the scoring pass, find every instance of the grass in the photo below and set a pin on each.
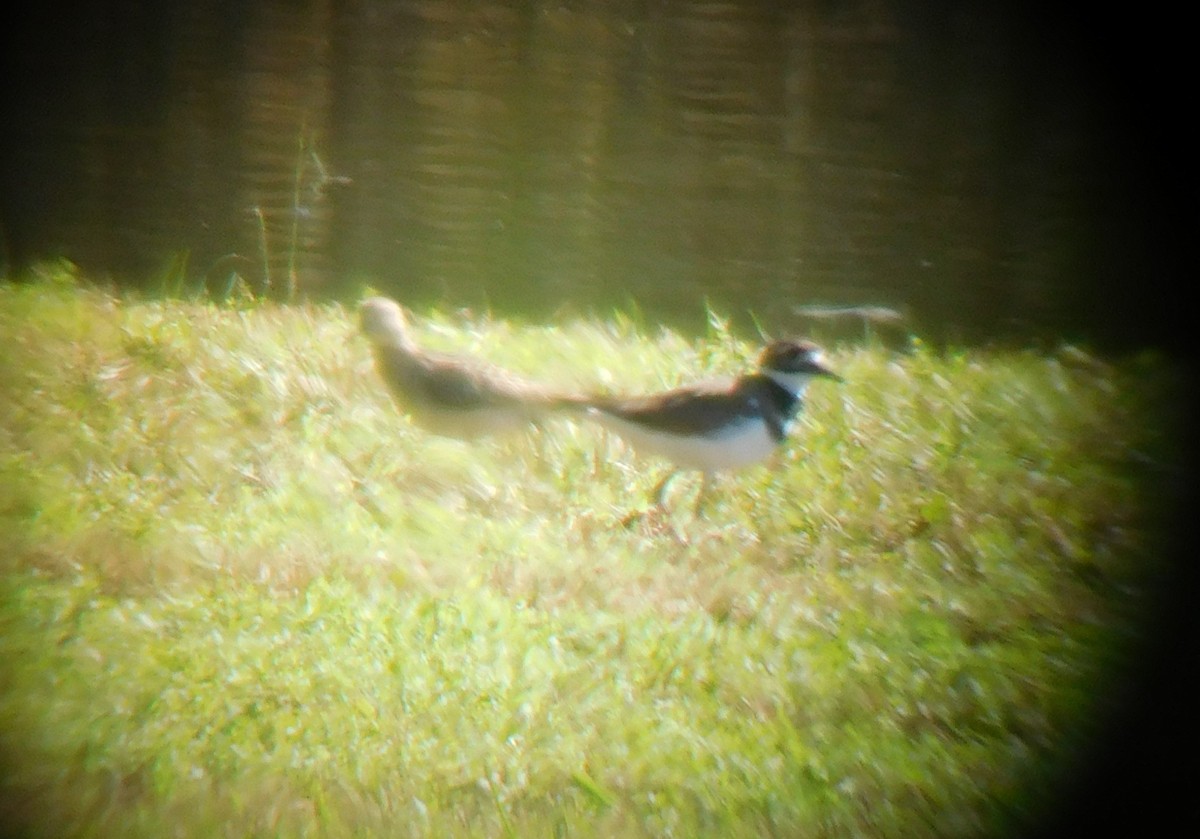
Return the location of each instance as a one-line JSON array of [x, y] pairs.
[[241, 596]]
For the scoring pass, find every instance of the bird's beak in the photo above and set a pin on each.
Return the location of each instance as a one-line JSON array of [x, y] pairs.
[[822, 370]]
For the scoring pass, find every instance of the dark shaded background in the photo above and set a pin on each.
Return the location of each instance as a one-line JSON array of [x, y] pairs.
[[999, 172]]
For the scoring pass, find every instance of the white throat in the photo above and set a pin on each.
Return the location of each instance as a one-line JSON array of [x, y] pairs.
[[793, 383]]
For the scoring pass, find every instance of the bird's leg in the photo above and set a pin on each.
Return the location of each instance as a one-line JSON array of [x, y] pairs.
[[658, 495], [660, 490]]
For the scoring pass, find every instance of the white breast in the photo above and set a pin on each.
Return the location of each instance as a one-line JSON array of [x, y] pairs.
[[747, 442]]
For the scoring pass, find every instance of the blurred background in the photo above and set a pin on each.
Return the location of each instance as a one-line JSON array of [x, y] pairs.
[[984, 169]]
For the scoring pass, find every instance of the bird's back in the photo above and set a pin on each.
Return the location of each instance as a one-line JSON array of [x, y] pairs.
[[459, 398]]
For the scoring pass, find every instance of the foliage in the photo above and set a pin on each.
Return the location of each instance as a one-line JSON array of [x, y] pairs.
[[240, 595]]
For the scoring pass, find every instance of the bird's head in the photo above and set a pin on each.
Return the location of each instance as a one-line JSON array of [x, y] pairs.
[[793, 364], [383, 322]]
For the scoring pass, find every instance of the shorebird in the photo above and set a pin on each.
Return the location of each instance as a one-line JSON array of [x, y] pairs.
[[446, 394], [721, 424]]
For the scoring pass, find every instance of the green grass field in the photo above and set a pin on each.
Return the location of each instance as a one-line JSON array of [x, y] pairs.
[[241, 596]]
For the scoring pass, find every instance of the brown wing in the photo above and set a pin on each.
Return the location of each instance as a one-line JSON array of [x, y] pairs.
[[696, 409], [453, 383]]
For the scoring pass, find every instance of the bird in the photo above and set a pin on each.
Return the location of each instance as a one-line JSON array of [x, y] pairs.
[[720, 424], [449, 395]]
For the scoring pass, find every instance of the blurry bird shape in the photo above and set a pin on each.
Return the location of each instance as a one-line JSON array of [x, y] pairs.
[[446, 394], [721, 424]]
